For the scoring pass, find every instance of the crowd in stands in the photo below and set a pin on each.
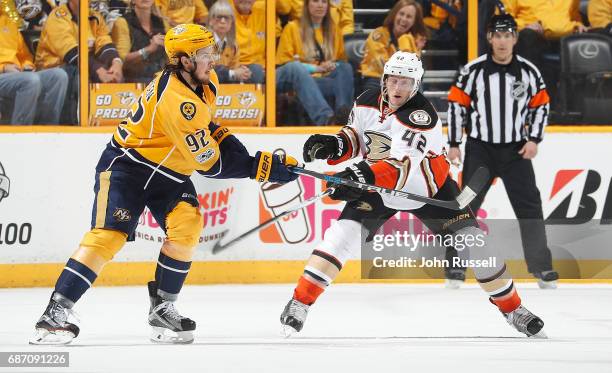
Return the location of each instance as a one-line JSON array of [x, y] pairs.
[[126, 45], [403, 29]]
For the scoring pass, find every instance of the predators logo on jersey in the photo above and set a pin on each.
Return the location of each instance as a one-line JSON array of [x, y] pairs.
[[188, 110]]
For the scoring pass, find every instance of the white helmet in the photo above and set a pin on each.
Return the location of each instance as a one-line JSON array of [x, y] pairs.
[[404, 64]]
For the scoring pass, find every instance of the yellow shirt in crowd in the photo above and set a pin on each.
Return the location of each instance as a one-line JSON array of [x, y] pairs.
[[183, 11], [558, 18], [439, 15], [290, 47], [341, 12], [61, 34], [168, 125], [230, 56], [378, 50], [13, 49], [251, 34], [600, 13]]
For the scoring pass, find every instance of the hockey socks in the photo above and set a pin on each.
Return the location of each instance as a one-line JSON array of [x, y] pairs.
[[508, 302], [501, 290], [170, 275], [310, 285], [74, 280]]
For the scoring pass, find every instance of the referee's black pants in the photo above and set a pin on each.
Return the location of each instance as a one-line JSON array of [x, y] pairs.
[[503, 161]]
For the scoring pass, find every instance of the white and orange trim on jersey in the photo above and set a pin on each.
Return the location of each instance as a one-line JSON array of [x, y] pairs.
[[391, 173], [434, 168], [348, 137]]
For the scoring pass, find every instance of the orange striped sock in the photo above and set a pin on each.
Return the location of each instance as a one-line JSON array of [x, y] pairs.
[[306, 291], [507, 303]]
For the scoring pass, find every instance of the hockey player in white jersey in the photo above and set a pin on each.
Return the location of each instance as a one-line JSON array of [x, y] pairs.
[[397, 134]]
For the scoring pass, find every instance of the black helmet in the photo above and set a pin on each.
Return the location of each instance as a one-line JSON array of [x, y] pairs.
[[502, 22]]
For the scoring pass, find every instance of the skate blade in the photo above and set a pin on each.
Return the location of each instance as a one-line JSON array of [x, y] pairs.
[[167, 336], [547, 284], [287, 331], [453, 284], [46, 337], [539, 335]]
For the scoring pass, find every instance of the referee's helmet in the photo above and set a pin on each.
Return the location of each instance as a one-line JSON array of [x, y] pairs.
[[404, 64], [502, 23]]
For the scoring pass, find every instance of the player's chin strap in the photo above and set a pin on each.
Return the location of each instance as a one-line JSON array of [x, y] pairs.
[[469, 192]]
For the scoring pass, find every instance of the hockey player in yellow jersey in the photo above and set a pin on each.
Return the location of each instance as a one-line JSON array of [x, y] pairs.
[[148, 162]]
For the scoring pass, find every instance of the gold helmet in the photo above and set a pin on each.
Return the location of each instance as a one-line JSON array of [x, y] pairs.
[[187, 38]]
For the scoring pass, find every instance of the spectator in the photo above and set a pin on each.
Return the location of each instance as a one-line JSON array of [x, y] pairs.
[[59, 46], [439, 18], [313, 64], [185, 11], [341, 12], [37, 96], [33, 12], [447, 23], [104, 8], [139, 37], [223, 24], [600, 13], [403, 29], [541, 23], [251, 36]]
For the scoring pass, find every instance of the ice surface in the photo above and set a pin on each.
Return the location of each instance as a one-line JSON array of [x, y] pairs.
[[352, 328]]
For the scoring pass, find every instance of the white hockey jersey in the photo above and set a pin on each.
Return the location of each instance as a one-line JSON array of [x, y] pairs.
[[405, 148]]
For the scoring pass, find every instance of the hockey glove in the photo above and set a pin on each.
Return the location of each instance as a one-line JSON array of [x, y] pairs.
[[273, 168], [320, 147], [358, 172]]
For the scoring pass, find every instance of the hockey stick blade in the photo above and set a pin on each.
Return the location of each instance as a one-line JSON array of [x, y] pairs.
[[220, 247], [462, 200]]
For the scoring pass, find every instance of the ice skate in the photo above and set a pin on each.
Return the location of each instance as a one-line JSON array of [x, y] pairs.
[[53, 327], [547, 279], [168, 326], [455, 278], [526, 322], [293, 317]]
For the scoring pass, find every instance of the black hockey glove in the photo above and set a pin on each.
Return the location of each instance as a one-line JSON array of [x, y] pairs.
[[321, 147], [358, 172], [273, 168]]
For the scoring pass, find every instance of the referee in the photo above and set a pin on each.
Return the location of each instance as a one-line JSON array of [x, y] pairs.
[[501, 100]]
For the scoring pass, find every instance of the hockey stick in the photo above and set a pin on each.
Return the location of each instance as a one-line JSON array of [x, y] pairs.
[[220, 247], [470, 190]]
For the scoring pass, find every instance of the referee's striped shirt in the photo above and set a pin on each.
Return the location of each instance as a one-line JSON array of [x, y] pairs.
[[498, 103]]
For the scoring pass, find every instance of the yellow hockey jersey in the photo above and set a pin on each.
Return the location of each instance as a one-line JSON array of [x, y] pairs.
[[183, 11], [290, 46], [13, 49], [378, 49], [168, 127], [558, 18], [341, 12], [59, 39], [251, 34]]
